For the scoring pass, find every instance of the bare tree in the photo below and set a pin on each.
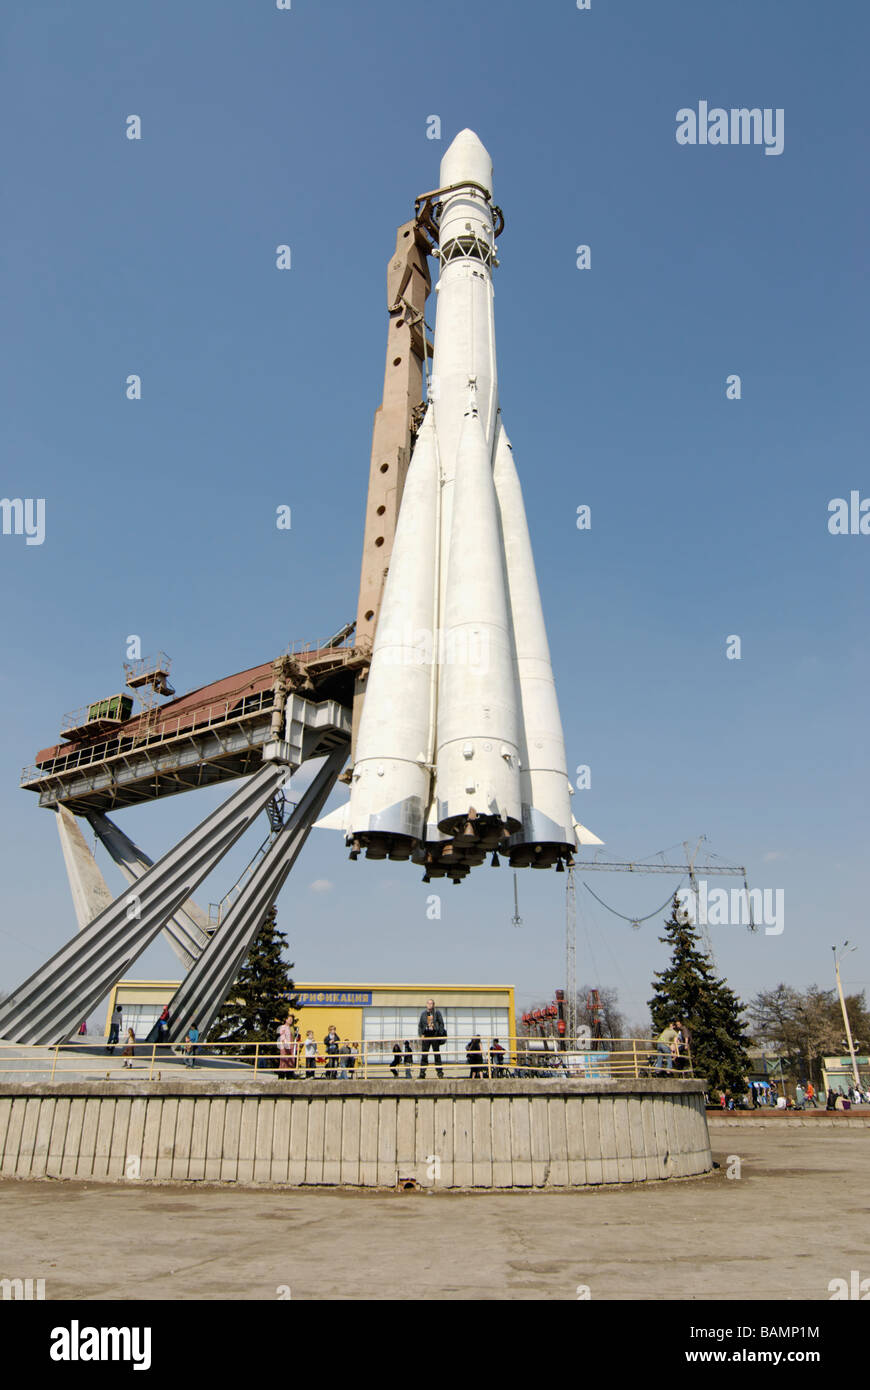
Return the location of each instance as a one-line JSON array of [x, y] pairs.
[[804, 1026]]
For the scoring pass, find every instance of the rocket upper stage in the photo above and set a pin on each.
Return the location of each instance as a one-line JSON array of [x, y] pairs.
[[460, 749], [467, 161]]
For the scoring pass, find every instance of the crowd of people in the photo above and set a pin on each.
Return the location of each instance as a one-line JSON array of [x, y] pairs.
[[773, 1095], [844, 1097], [337, 1059], [159, 1034]]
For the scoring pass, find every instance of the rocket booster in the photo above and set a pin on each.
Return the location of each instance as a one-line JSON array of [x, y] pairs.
[[460, 750]]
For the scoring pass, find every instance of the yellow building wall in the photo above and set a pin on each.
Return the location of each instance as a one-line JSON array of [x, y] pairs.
[[348, 1023], [348, 1019]]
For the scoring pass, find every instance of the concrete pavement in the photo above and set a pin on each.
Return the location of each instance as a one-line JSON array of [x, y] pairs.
[[795, 1218]]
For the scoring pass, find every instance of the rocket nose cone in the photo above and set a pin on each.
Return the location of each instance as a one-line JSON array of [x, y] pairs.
[[467, 159]]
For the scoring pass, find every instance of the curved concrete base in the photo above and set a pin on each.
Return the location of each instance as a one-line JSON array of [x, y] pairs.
[[442, 1134]]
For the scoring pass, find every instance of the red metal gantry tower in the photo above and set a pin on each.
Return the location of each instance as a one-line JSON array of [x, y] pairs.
[[256, 727]]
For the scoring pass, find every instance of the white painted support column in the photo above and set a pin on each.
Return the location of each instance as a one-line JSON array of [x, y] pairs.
[[90, 892]]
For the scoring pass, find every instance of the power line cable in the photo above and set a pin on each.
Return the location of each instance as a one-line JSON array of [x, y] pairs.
[[635, 921]]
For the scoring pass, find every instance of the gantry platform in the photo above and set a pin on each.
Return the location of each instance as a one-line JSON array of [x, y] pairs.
[[210, 735]]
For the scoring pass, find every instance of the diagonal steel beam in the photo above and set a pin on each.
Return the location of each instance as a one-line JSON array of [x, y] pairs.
[[201, 994], [46, 1007], [187, 932]]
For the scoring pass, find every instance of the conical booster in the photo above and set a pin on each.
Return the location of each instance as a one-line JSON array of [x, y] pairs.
[[548, 831], [391, 782]]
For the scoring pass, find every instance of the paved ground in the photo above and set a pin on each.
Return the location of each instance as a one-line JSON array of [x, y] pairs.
[[796, 1218]]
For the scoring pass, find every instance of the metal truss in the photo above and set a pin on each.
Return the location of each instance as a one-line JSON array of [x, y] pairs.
[[201, 994], [187, 931], [49, 1004]]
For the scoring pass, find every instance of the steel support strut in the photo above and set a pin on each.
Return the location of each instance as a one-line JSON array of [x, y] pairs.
[[49, 1004], [201, 994], [186, 932]]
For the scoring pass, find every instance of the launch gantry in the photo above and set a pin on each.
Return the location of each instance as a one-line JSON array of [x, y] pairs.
[[484, 747]]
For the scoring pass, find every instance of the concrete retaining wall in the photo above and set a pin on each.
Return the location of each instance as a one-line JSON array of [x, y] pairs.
[[493, 1134], [779, 1119]]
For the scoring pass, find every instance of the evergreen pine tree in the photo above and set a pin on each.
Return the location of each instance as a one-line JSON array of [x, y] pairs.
[[262, 993], [690, 992]]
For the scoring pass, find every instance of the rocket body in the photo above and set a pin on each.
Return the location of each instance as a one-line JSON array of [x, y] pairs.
[[460, 748]]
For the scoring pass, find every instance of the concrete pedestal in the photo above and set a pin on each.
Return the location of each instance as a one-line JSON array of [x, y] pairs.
[[441, 1134]]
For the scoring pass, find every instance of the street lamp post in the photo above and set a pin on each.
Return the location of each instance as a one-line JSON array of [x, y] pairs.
[[806, 1022], [843, 1007]]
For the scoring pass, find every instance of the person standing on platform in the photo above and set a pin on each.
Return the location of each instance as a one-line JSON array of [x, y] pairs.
[[115, 1028], [190, 1042], [433, 1033], [409, 1059], [664, 1047], [310, 1046], [474, 1057], [285, 1046], [680, 1049], [331, 1044], [130, 1050], [496, 1059], [811, 1095]]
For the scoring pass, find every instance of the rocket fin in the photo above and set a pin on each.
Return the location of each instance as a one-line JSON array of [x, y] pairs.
[[339, 819], [584, 836]]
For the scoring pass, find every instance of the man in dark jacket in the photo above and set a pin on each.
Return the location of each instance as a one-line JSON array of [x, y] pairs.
[[433, 1033], [331, 1046]]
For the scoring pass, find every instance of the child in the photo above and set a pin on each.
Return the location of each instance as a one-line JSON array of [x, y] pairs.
[[310, 1054], [130, 1050], [190, 1043]]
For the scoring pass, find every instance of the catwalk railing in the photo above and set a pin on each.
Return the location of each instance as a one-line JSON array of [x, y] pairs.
[[368, 1059], [190, 722]]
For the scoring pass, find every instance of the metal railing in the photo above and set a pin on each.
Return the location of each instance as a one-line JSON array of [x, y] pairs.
[[368, 1059], [193, 721]]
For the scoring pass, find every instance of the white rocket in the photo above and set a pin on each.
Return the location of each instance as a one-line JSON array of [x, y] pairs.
[[460, 748]]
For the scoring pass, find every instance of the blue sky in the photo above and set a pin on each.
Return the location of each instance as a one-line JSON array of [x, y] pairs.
[[709, 516]]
